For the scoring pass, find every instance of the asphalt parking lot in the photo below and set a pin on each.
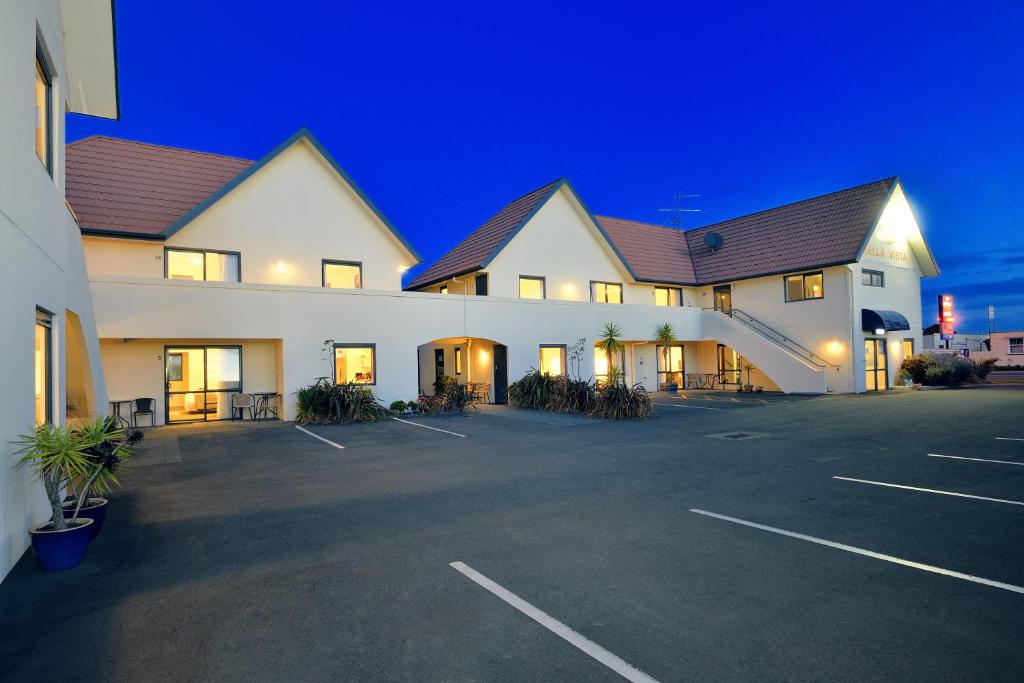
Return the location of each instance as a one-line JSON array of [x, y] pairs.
[[772, 539]]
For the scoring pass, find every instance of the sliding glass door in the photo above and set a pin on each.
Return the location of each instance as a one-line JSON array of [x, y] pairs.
[[200, 380]]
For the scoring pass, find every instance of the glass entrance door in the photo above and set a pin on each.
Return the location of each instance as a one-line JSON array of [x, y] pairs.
[[728, 365], [199, 381], [672, 371], [723, 299], [875, 367]]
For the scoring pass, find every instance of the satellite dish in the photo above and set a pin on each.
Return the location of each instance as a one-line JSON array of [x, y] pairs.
[[713, 240]]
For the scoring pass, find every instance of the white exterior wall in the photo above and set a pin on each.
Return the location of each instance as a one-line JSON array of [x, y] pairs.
[[283, 220], [156, 310], [42, 260]]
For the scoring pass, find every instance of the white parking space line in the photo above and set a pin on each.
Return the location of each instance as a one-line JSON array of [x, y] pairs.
[[317, 436], [679, 405], [866, 553], [416, 424], [959, 457], [588, 646], [1007, 438], [944, 493]]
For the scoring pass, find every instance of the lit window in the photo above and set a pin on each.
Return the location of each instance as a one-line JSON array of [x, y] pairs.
[[552, 359], [872, 278], [803, 287], [458, 360], [197, 264], [43, 383], [44, 114], [667, 296], [908, 348], [606, 292], [531, 287], [343, 275], [355, 363], [670, 364], [443, 289], [601, 363], [1016, 345]]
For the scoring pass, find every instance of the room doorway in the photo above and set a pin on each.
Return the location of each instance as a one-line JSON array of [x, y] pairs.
[[876, 368], [199, 381]]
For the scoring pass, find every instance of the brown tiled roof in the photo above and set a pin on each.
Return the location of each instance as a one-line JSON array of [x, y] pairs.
[[817, 232], [476, 250], [123, 187], [654, 252]]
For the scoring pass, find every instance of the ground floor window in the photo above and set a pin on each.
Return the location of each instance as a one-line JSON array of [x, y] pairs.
[[200, 381], [43, 367], [908, 348], [601, 369], [552, 359], [1015, 345], [355, 363], [728, 365], [458, 360], [875, 366], [670, 365]]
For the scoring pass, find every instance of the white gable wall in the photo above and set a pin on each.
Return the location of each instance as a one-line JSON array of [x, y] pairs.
[[560, 244], [284, 220]]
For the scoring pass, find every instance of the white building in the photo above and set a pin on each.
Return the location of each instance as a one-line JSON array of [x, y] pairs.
[[212, 275], [55, 57]]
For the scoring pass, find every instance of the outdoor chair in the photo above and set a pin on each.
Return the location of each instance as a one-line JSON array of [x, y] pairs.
[[481, 390], [144, 406], [266, 405], [239, 404]]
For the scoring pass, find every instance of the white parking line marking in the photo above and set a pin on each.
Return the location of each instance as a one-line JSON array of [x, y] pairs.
[[1007, 438], [958, 457], [866, 553], [588, 646], [416, 424], [944, 493], [317, 436], [678, 405]]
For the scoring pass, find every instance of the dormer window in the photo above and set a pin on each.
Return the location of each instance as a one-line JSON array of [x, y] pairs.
[[606, 292], [342, 274], [202, 264]]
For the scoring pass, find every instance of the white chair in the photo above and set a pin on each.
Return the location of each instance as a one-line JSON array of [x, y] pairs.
[[239, 404]]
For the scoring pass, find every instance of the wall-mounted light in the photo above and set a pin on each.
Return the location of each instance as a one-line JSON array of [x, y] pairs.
[[483, 355], [569, 290], [402, 269], [835, 347], [281, 268], [880, 331]]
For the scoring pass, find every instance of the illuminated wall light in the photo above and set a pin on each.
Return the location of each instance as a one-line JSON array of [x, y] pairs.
[[281, 267], [483, 355], [569, 290], [835, 347], [402, 269], [880, 331]]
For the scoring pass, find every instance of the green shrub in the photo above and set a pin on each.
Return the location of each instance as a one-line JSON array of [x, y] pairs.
[[617, 401], [454, 399], [327, 403], [572, 396], [982, 368], [939, 369], [413, 406], [398, 406], [533, 391]]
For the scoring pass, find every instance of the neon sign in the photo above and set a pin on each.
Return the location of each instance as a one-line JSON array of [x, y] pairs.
[[947, 322]]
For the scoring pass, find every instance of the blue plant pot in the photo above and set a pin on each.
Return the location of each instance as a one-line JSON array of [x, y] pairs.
[[671, 387], [94, 509], [59, 550]]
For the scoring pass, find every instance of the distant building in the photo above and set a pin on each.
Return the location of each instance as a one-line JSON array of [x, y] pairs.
[[1006, 347], [960, 342]]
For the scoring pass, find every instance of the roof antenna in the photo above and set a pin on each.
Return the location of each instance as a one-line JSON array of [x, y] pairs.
[[676, 221]]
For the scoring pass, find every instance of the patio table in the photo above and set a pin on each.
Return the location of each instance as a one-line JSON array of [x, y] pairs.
[[115, 412]]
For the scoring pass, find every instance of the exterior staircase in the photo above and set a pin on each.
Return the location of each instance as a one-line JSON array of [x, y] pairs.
[[795, 368]]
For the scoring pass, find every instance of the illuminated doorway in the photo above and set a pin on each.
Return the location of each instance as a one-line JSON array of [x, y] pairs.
[[200, 380], [875, 366]]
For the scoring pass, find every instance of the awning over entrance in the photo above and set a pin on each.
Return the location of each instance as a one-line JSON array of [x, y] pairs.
[[889, 321]]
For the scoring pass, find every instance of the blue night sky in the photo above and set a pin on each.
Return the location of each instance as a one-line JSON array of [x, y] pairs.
[[443, 113]]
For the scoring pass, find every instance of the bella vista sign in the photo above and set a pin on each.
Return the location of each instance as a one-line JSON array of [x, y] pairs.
[[888, 254]]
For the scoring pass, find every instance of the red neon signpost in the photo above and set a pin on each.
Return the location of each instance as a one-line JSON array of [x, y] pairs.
[[947, 322]]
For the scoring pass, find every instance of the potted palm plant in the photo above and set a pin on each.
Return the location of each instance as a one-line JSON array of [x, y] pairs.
[[748, 387], [609, 341], [61, 457], [108, 447], [666, 334]]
